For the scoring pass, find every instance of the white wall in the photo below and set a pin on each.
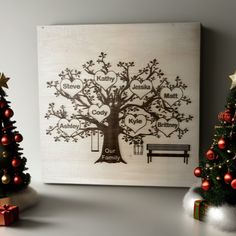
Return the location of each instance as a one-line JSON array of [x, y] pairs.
[[18, 50]]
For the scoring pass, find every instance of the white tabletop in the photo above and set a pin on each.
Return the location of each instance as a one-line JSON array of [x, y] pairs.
[[105, 210]]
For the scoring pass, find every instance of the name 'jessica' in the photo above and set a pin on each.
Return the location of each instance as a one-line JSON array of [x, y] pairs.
[[105, 78], [139, 87]]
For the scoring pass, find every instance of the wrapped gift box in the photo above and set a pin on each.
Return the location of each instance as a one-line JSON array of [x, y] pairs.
[[200, 208], [8, 214]]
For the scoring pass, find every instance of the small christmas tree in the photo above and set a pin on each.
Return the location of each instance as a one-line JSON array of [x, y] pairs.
[[218, 168], [12, 164]]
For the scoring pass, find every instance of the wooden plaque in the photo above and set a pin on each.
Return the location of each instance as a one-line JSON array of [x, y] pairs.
[[119, 104]]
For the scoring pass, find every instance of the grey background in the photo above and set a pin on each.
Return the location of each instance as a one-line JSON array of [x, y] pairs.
[[18, 59], [18, 49]]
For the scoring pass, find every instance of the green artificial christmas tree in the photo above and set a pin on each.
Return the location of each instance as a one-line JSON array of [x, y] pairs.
[[218, 168], [12, 165]]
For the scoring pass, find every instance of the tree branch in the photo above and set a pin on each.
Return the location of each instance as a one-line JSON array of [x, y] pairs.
[[93, 121]]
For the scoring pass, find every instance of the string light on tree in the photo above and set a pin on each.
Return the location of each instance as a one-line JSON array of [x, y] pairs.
[[218, 178], [5, 154]]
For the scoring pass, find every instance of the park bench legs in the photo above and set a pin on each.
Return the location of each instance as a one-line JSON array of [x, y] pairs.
[[186, 157], [150, 154], [165, 151], [149, 157]]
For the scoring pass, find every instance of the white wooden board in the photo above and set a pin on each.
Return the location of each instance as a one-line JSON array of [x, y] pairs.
[[108, 91]]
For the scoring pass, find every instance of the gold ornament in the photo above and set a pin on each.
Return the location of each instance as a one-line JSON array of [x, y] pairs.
[[3, 80], [233, 78], [5, 154], [6, 179]]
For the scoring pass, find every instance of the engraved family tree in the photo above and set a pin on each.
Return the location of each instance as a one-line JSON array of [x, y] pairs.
[[117, 103]]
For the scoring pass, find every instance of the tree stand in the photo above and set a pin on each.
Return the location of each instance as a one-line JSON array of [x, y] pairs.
[[222, 217], [23, 199]]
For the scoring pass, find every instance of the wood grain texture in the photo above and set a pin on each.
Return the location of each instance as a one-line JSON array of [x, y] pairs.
[[116, 127]]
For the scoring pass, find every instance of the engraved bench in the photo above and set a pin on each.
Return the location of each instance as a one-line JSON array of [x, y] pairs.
[[174, 150]]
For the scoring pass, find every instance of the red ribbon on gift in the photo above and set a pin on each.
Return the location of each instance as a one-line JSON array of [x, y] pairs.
[[8, 216], [4, 209], [10, 213]]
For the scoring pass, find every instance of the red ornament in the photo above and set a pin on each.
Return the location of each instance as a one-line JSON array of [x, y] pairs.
[[5, 140], [16, 162], [233, 184], [198, 172], [18, 138], [206, 185], [18, 180], [228, 117], [210, 155], [2, 104], [228, 178], [221, 144], [8, 113]]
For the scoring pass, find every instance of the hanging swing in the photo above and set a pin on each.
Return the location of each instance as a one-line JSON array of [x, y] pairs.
[[95, 140]]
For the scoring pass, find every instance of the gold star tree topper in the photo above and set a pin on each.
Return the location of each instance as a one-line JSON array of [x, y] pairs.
[[3, 80], [233, 78]]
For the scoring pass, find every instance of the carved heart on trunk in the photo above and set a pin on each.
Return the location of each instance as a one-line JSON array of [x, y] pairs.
[[167, 127], [106, 80], [71, 87], [99, 113], [171, 96], [69, 127], [140, 88], [135, 122]]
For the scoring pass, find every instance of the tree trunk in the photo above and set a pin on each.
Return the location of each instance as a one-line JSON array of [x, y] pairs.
[[111, 149]]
